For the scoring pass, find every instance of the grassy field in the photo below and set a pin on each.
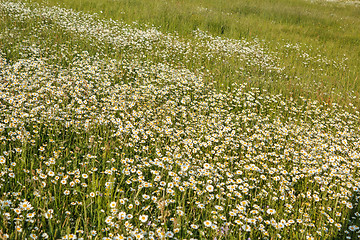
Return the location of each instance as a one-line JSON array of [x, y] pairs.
[[138, 119], [316, 43]]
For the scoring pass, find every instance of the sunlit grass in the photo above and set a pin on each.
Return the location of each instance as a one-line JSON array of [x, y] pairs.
[[112, 130], [319, 29]]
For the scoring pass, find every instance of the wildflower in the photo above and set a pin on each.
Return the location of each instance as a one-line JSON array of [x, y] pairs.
[[220, 208], [122, 215], [143, 218], [353, 228], [18, 228], [207, 223], [48, 215], [25, 205], [209, 188], [180, 212], [271, 211], [169, 234], [33, 236], [194, 226], [200, 205], [17, 210], [246, 228]]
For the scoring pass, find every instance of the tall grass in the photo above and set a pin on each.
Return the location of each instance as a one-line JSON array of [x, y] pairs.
[[207, 125], [326, 29]]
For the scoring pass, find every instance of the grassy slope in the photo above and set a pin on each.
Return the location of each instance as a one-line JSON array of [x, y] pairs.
[[328, 30]]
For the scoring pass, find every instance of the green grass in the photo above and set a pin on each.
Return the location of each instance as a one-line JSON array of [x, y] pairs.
[[241, 113], [326, 29]]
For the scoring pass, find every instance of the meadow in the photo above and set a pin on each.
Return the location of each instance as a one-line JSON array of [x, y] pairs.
[[139, 119]]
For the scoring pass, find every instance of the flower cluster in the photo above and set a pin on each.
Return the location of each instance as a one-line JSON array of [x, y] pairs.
[[98, 147]]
